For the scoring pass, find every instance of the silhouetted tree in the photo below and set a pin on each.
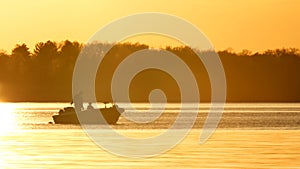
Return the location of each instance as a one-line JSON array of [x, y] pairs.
[[4, 59], [45, 55], [46, 73], [20, 60], [69, 52]]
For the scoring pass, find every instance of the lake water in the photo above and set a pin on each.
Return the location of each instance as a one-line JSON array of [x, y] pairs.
[[250, 135]]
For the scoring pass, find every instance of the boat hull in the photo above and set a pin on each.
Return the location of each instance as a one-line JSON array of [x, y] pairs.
[[95, 116]]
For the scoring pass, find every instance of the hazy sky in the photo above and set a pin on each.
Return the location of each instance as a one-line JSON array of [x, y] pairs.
[[240, 24]]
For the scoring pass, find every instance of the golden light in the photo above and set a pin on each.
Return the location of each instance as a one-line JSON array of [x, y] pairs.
[[8, 119]]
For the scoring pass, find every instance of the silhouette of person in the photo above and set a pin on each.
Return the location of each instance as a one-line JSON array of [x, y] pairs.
[[90, 106], [78, 101]]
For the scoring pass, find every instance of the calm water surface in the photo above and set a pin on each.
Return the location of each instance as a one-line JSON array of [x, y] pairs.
[[263, 135]]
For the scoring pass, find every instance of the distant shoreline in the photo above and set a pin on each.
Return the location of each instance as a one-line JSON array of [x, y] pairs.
[[46, 75]]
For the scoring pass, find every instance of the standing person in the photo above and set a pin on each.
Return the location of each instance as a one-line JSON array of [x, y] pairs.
[[78, 101]]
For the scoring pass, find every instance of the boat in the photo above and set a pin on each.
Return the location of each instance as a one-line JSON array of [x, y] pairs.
[[107, 115]]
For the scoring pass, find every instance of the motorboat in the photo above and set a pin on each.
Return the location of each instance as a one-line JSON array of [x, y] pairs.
[[106, 115]]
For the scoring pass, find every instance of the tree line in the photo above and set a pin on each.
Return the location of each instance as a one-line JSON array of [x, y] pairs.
[[45, 74]]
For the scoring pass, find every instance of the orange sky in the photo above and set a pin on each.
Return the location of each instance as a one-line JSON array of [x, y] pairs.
[[250, 24]]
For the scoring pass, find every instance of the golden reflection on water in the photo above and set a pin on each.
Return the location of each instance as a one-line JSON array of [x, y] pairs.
[[28, 141], [7, 118], [225, 149]]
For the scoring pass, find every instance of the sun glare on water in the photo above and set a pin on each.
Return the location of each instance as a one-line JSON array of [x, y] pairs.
[[7, 117]]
